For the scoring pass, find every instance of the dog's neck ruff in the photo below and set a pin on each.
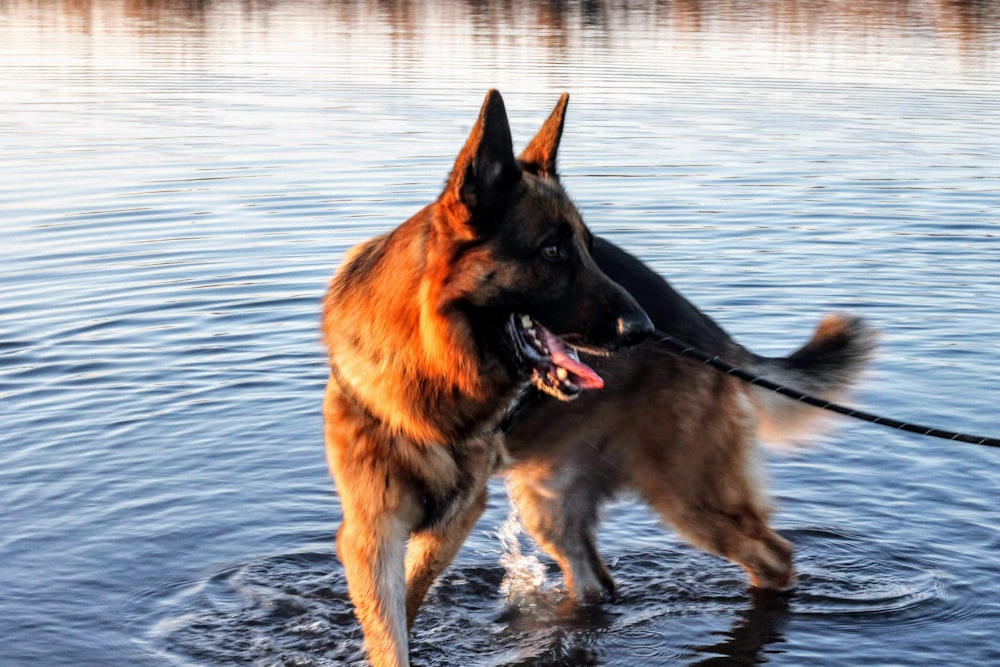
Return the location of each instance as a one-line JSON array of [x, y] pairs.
[[496, 425]]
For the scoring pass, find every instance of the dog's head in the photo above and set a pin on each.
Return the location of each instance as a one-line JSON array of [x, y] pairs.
[[518, 259]]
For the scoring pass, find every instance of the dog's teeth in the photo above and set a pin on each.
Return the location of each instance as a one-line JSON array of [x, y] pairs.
[[562, 373], [526, 322]]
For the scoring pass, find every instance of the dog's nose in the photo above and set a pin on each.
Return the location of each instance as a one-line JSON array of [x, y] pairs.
[[635, 327]]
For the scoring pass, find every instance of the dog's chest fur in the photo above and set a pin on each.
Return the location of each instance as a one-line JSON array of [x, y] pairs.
[[434, 482]]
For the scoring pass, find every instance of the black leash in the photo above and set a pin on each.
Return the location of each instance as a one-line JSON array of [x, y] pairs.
[[715, 362]]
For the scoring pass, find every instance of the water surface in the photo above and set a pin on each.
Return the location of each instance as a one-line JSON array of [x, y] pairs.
[[179, 180]]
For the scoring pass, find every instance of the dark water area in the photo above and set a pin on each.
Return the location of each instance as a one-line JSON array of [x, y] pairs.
[[178, 181]]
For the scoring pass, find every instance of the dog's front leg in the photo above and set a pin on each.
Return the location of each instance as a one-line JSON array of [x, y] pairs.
[[378, 515], [431, 550], [372, 551]]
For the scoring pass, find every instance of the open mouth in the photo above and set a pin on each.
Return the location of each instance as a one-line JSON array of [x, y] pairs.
[[556, 368]]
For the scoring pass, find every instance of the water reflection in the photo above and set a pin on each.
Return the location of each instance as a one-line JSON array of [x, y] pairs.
[[971, 23], [757, 628]]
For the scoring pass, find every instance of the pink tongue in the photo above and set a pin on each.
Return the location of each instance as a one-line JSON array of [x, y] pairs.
[[580, 373]]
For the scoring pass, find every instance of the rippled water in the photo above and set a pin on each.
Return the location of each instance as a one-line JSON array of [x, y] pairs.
[[178, 181]]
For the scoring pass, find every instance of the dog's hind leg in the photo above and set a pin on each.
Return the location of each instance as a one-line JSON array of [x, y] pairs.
[[562, 524], [718, 505], [743, 536], [739, 532], [767, 558], [431, 550]]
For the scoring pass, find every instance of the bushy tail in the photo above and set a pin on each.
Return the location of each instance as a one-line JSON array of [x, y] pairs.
[[825, 367]]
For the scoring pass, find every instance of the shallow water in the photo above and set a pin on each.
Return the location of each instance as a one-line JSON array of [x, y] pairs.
[[179, 180]]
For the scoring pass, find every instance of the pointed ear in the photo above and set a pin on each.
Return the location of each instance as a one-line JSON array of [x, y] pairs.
[[540, 155], [486, 166]]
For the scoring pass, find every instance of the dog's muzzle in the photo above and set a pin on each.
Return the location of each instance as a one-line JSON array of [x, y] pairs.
[[555, 367]]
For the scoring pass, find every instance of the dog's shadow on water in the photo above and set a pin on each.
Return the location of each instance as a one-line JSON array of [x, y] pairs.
[[564, 635], [757, 627]]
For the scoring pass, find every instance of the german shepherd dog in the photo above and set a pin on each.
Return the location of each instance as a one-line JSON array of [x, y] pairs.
[[433, 331], [680, 434]]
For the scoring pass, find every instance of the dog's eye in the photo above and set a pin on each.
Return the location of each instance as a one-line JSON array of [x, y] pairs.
[[552, 253]]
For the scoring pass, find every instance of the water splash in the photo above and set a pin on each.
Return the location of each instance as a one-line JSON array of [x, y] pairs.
[[525, 579]]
